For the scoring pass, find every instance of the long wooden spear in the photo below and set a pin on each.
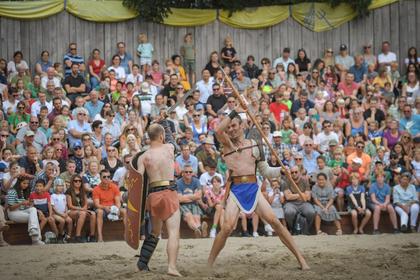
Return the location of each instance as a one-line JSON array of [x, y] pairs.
[[267, 142]]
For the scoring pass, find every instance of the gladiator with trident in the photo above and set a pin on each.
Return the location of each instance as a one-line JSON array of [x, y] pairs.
[[243, 157]]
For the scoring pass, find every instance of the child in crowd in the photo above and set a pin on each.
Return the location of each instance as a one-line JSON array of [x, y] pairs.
[[58, 71], [357, 204], [145, 52], [319, 100], [215, 196], [276, 199], [48, 156], [45, 128], [323, 196], [387, 93], [395, 75], [41, 200], [59, 207], [188, 56], [287, 129], [228, 53], [374, 133]]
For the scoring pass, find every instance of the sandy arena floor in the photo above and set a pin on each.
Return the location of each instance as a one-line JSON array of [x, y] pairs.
[[348, 257]]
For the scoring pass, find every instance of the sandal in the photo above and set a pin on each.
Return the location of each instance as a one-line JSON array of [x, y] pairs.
[[321, 233], [339, 232]]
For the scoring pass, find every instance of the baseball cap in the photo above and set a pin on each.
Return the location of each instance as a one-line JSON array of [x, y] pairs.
[[199, 107], [343, 47], [333, 142], [29, 133], [277, 134], [76, 144]]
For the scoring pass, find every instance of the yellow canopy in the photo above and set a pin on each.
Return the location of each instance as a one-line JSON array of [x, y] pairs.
[[253, 18], [31, 10], [100, 11], [190, 17]]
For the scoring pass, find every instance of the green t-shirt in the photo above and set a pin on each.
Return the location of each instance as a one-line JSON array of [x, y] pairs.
[[14, 119]]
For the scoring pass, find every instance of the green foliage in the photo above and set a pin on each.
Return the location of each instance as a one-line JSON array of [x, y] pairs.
[[157, 10]]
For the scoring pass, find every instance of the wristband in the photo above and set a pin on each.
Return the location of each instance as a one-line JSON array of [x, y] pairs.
[[233, 114]]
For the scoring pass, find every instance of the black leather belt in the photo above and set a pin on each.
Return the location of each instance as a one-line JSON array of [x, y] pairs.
[[162, 188]]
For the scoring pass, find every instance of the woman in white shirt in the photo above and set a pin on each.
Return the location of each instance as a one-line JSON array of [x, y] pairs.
[[119, 70]]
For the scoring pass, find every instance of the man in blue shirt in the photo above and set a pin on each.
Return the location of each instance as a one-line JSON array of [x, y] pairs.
[[189, 194], [380, 200], [309, 157], [359, 70], [126, 59], [302, 102], [93, 106], [186, 158], [410, 122]]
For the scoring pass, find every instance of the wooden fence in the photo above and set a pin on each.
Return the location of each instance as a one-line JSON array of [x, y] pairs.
[[397, 23]]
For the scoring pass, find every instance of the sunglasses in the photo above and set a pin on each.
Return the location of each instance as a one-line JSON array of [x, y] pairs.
[[196, 116], [367, 47], [82, 114], [216, 88], [231, 101], [21, 107], [406, 137], [34, 122], [56, 139], [77, 181], [73, 49], [272, 73], [308, 145], [110, 150], [360, 147], [407, 111], [59, 150], [298, 159], [106, 177], [265, 63], [188, 172], [131, 129], [294, 172], [4, 135]]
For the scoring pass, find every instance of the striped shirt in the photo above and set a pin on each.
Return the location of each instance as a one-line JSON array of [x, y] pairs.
[[13, 199], [74, 59]]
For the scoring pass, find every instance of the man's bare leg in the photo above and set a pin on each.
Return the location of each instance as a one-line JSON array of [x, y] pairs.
[[229, 224], [172, 226], [265, 212]]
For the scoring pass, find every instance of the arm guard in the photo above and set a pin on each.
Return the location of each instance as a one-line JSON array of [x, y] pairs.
[[262, 165], [267, 171]]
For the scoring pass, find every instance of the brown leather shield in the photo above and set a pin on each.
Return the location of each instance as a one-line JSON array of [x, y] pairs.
[[136, 204]]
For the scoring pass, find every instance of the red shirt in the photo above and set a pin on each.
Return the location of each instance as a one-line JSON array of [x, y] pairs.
[[277, 108], [41, 201], [106, 197], [348, 89], [95, 67]]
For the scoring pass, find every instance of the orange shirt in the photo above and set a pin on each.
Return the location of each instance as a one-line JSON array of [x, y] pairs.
[[365, 161], [106, 197]]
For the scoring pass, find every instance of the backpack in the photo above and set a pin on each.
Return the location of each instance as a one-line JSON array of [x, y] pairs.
[[300, 225]]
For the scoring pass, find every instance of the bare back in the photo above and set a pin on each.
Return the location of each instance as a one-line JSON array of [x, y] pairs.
[[158, 163]]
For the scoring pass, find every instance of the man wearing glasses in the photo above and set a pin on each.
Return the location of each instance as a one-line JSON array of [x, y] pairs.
[[73, 58], [40, 140], [366, 160], [216, 101], [162, 201], [79, 126], [106, 195]]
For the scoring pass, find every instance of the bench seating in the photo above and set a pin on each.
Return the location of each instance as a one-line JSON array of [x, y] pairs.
[[18, 235]]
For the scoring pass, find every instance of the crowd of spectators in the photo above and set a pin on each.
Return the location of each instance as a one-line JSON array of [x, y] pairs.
[[347, 127]]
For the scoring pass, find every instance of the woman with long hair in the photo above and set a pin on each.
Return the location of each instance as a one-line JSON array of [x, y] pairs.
[[412, 57], [20, 209], [96, 65], [391, 135], [77, 203], [329, 112], [303, 63], [214, 64]]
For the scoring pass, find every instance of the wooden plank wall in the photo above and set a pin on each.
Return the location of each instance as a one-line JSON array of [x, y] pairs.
[[396, 23]]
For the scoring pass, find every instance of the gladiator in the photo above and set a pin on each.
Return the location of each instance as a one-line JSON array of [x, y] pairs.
[[162, 200], [243, 157]]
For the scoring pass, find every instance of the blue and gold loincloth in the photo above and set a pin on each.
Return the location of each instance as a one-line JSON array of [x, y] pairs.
[[245, 196]]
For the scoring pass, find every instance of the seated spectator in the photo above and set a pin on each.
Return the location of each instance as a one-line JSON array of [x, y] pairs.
[[78, 158], [21, 211], [309, 156], [79, 126], [380, 201], [68, 174], [41, 199], [214, 198], [406, 202], [275, 196], [47, 176], [50, 77], [106, 195], [187, 158], [59, 207], [77, 203], [121, 173], [294, 203], [189, 193], [323, 196], [74, 83], [30, 163], [206, 177], [91, 178], [40, 140], [3, 227], [357, 204], [111, 162], [365, 158]]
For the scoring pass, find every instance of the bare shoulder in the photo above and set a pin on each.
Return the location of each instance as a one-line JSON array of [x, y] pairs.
[[170, 147]]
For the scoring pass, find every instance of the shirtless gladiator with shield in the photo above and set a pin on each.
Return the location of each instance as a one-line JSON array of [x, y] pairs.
[[242, 157], [157, 164]]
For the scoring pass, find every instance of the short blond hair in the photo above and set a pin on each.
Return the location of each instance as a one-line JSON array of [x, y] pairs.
[[154, 131]]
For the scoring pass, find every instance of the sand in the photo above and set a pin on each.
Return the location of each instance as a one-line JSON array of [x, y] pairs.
[[330, 257]]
